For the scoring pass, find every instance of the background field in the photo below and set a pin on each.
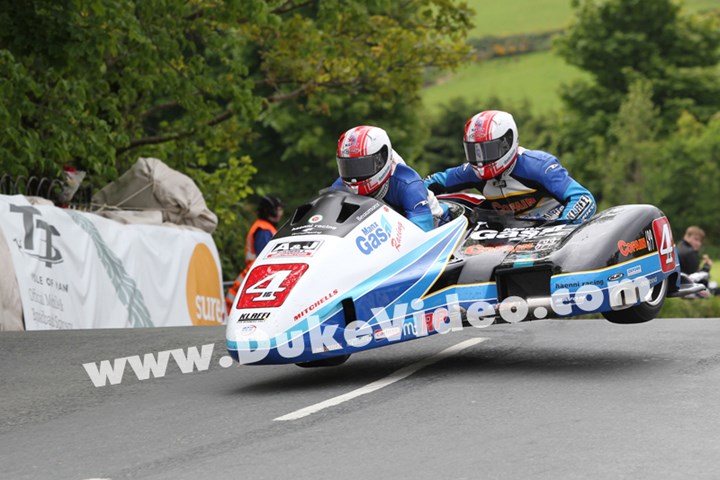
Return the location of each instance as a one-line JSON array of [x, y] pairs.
[[513, 17], [535, 76]]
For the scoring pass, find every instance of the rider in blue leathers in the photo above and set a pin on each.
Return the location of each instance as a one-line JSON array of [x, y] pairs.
[[369, 166], [528, 183]]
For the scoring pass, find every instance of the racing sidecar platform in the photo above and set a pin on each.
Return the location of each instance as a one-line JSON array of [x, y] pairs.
[[347, 273]]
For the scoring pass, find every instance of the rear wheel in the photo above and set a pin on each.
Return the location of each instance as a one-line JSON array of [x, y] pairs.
[[327, 362], [643, 312]]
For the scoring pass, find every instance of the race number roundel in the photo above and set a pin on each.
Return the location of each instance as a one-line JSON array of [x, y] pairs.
[[268, 286], [665, 243]]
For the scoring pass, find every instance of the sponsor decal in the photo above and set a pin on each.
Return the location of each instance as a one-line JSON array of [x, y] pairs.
[[354, 142], [295, 249], [253, 316], [478, 249], [578, 284], [650, 240], [626, 248], [429, 324], [246, 330], [315, 305], [315, 219], [367, 212], [385, 224], [665, 243], [327, 348], [383, 333], [373, 236], [396, 240], [546, 243], [616, 276], [634, 270], [520, 234], [551, 167], [316, 229], [358, 342], [267, 286], [554, 213], [411, 328], [582, 204], [203, 290], [38, 240], [516, 206]]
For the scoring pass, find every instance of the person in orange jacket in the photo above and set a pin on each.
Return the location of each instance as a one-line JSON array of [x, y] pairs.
[[269, 212]]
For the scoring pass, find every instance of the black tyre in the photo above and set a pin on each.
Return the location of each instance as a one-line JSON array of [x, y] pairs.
[[327, 362], [642, 312]]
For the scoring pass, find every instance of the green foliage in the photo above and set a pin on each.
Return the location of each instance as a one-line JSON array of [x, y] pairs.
[[445, 148], [619, 41], [697, 308], [689, 180], [380, 50], [203, 83], [634, 154], [297, 152], [671, 58], [225, 188], [97, 84]]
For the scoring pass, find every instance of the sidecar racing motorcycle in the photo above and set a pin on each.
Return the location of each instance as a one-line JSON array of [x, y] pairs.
[[347, 273]]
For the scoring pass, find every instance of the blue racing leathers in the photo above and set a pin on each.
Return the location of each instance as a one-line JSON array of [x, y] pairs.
[[536, 186], [407, 195]]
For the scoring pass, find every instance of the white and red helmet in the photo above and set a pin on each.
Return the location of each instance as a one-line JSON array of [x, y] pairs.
[[364, 160], [491, 143]]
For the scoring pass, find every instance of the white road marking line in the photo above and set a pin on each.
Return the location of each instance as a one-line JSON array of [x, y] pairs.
[[383, 382]]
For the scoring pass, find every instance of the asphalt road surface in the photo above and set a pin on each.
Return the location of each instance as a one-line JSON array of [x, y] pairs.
[[548, 399]]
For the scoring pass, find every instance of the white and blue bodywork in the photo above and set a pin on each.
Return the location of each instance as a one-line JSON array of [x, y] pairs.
[[347, 273]]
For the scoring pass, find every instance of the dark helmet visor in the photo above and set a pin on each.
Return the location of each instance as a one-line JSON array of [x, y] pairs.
[[361, 168], [483, 153]]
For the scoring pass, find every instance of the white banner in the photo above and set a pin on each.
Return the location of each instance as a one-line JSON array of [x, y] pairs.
[[79, 270]]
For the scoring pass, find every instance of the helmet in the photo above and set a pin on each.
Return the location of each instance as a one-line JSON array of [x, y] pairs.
[[363, 158], [491, 143], [268, 206]]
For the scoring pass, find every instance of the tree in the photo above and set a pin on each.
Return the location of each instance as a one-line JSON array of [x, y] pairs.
[[384, 47], [687, 180], [633, 157], [203, 84], [621, 42], [618, 41]]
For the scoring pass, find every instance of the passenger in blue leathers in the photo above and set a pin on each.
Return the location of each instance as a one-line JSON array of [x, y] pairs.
[[528, 183], [369, 166]]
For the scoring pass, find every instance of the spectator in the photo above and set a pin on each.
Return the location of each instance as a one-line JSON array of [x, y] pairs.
[[269, 212], [689, 256]]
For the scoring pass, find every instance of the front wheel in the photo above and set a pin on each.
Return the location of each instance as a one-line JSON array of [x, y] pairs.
[[642, 312]]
